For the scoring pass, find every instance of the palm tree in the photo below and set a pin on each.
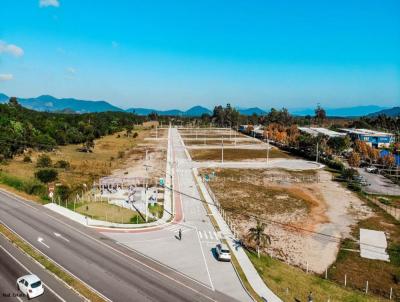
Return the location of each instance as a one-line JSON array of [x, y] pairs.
[[258, 236]]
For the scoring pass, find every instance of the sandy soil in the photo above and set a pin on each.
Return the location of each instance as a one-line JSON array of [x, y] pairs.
[[333, 212], [134, 165]]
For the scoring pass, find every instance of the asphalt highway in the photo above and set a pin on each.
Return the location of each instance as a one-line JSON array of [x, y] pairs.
[[14, 264], [116, 273]]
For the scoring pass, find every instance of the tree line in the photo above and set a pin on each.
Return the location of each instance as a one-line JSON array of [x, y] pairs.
[[22, 128]]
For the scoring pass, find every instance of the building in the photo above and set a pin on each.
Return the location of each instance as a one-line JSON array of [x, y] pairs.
[[373, 138], [315, 131]]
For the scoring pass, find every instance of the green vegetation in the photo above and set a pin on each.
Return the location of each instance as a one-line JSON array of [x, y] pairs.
[[46, 175], [50, 265], [291, 283], [380, 275], [30, 187], [21, 128]]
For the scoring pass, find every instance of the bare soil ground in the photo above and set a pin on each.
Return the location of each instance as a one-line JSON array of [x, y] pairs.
[[190, 142], [296, 205], [235, 154]]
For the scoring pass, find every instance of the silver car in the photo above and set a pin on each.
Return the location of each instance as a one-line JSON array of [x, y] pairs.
[[223, 252]]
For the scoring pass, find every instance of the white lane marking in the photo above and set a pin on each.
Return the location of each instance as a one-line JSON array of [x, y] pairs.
[[205, 235], [211, 235], [216, 235], [205, 261], [24, 267], [201, 237], [40, 239], [61, 236]]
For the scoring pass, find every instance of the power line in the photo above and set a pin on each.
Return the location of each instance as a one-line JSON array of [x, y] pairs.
[[330, 237]]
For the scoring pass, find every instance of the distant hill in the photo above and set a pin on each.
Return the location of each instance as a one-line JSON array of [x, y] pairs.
[[198, 111], [395, 111], [52, 104], [251, 111], [194, 111], [343, 111]]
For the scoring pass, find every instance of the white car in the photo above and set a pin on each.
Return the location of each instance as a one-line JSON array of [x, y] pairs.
[[371, 169], [223, 252], [30, 285]]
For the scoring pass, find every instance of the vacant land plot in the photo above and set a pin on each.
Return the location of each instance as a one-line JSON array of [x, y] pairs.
[[236, 154], [107, 212], [381, 275], [296, 207], [190, 142]]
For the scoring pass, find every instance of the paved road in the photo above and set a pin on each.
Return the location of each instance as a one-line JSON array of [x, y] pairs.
[[194, 255], [14, 264], [379, 184], [116, 272]]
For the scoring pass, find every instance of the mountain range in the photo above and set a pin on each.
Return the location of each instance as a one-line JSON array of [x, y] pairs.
[[52, 104]]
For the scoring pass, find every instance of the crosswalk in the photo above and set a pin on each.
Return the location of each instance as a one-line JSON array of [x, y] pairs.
[[204, 235], [209, 236]]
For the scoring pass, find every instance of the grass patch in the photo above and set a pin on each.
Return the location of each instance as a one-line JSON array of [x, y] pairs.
[[235, 154], [105, 211], [380, 275], [291, 283], [50, 265]]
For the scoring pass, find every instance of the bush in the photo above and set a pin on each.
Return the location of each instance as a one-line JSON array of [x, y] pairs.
[[46, 175], [63, 192], [135, 135], [27, 159], [44, 161], [62, 164], [121, 154]]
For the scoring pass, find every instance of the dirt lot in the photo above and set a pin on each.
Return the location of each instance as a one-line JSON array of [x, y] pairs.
[[293, 204], [235, 154]]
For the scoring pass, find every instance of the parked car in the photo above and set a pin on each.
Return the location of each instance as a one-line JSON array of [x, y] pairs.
[[30, 285], [223, 252], [371, 169]]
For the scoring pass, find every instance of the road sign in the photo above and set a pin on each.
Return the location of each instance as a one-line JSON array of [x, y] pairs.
[[162, 181]]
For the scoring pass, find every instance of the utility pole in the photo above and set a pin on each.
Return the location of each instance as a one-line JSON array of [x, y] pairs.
[[316, 159], [222, 150], [267, 148]]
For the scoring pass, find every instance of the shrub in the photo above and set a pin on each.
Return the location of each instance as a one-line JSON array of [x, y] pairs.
[[44, 161], [135, 135], [121, 154], [62, 164], [27, 159], [63, 192], [46, 175]]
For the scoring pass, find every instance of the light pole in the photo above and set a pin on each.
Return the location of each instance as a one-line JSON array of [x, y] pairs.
[[267, 148], [316, 159], [222, 151]]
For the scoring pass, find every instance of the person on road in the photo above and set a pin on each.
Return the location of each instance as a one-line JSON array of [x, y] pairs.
[[180, 234]]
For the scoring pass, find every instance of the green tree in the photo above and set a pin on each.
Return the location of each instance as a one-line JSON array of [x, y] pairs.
[[46, 175], [257, 235], [43, 161]]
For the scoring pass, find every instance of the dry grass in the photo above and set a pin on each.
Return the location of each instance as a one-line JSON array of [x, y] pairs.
[[381, 275], [291, 283], [235, 154], [243, 191], [108, 154], [214, 142]]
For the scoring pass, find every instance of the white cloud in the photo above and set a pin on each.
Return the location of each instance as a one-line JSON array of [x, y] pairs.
[[11, 49], [71, 70], [6, 77], [46, 3]]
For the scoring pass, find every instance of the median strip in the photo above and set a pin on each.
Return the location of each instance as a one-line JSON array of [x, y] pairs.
[[77, 285]]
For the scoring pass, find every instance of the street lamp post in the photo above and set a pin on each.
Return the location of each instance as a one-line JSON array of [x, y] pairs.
[[222, 150]]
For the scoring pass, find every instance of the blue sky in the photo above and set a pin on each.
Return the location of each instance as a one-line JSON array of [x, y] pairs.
[[175, 54]]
